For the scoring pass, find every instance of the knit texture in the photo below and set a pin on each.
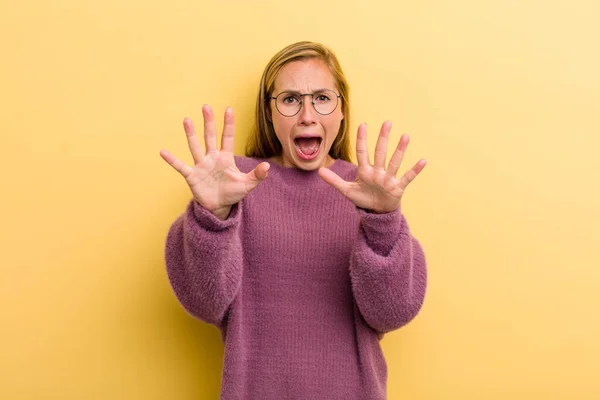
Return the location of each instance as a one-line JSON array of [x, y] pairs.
[[302, 285]]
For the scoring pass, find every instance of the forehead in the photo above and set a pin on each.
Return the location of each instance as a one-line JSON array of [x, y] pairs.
[[305, 76]]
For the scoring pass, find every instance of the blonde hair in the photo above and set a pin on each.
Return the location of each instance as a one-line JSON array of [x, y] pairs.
[[263, 142]]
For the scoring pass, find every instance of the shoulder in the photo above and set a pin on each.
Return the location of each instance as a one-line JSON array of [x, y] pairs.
[[246, 164]]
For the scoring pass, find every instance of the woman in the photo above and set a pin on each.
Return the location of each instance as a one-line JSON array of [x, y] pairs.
[[301, 259]]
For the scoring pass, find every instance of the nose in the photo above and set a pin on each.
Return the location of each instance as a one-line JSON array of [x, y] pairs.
[[307, 114]]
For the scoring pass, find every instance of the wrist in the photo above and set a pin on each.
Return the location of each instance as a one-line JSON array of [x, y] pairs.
[[222, 213], [377, 211]]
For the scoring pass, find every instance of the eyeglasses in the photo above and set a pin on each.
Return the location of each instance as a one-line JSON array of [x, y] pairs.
[[289, 103]]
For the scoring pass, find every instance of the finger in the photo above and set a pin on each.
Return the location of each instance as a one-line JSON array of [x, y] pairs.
[[260, 171], [362, 152], [178, 165], [228, 131], [398, 155], [210, 130], [412, 174], [381, 146], [334, 180], [257, 175], [193, 142]]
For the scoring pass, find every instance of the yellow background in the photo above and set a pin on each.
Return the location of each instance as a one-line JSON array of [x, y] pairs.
[[501, 97]]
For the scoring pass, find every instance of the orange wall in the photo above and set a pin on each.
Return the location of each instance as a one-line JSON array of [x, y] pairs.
[[501, 97]]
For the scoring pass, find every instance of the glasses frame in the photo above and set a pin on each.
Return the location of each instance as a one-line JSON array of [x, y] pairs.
[[312, 97]]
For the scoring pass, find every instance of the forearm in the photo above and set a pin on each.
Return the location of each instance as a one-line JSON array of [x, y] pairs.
[[204, 261], [388, 271]]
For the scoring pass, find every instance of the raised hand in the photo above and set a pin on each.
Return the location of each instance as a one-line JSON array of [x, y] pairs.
[[215, 181], [376, 188]]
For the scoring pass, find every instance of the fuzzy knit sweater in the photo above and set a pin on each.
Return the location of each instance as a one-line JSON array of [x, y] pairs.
[[302, 285]]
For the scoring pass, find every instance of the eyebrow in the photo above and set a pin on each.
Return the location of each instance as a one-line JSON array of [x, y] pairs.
[[298, 92]]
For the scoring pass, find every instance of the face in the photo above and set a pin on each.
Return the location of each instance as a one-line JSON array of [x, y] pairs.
[[306, 137]]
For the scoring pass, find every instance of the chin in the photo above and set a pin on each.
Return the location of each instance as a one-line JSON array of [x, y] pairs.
[[313, 166], [309, 165]]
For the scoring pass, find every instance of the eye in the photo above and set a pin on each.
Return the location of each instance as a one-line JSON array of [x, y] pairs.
[[290, 99], [322, 98]]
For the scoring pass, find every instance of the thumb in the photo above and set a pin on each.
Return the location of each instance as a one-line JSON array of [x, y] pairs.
[[257, 175], [261, 171], [334, 180]]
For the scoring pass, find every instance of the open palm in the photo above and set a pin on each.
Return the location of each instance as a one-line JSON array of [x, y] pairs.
[[214, 179], [376, 188]]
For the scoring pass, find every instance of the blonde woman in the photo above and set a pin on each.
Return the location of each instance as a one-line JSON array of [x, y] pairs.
[[300, 258]]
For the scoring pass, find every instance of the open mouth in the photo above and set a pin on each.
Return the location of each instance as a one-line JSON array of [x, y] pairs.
[[307, 148]]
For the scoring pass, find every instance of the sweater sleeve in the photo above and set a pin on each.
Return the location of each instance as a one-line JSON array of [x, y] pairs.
[[204, 261], [388, 271]]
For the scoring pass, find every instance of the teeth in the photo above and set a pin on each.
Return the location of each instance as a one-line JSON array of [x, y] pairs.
[[308, 154], [308, 151]]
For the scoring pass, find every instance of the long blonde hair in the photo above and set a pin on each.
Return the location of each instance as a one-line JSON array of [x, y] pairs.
[[263, 142]]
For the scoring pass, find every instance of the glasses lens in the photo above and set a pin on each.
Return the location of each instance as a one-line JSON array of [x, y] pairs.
[[288, 103], [325, 101]]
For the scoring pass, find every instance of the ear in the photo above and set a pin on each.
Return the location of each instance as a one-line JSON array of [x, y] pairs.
[[268, 112]]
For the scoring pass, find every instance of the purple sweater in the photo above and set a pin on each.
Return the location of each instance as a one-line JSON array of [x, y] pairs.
[[302, 285]]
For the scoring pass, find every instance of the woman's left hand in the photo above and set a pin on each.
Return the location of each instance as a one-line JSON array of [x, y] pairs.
[[376, 189]]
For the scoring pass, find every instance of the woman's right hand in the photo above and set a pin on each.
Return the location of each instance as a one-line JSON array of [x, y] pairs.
[[216, 183]]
